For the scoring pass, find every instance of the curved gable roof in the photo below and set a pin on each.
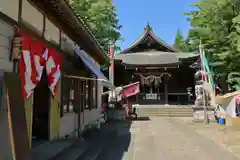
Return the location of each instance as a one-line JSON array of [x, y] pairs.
[[148, 33]]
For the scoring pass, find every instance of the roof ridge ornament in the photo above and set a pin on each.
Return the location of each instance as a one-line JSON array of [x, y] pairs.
[[148, 27]]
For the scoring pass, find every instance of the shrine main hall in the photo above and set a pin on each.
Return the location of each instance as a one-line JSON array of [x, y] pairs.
[[165, 74]]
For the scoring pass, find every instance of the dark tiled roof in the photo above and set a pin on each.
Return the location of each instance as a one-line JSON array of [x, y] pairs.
[[154, 58], [149, 33]]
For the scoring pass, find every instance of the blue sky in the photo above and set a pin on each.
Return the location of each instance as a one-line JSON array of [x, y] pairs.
[[165, 17]]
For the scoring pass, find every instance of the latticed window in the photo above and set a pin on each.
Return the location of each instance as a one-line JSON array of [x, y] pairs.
[[1, 90], [95, 93], [82, 94], [67, 96], [87, 86], [74, 95], [78, 95]]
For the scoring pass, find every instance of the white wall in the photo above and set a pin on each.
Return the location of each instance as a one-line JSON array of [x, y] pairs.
[[69, 122], [32, 16], [10, 8], [68, 125]]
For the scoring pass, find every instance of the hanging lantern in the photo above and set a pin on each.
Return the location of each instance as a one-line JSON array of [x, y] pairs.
[[16, 47]]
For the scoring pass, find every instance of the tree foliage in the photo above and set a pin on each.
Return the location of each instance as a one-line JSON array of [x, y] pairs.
[[217, 24], [101, 18], [182, 44]]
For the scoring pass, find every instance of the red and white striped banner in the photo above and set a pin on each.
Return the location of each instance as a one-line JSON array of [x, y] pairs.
[[35, 57]]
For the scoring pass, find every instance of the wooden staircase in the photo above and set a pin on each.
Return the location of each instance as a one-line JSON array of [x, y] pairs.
[[165, 112]]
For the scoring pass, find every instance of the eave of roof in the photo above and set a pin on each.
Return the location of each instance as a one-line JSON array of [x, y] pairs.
[[148, 32], [62, 14], [155, 58]]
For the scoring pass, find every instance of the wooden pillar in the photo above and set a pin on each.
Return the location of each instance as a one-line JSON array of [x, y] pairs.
[[76, 103], [137, 98], [54, 115], [29, 116], [16, 117], [166, 91]]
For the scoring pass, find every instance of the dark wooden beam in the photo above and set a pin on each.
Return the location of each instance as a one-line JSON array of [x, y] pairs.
[[38, 35], [8, 19], [19, 10]]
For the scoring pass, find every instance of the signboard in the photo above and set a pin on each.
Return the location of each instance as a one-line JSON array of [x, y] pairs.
[[151, 96]]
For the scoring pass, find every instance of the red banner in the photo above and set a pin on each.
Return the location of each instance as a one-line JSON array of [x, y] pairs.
[[130, 90], [35, 57], [238, 98]]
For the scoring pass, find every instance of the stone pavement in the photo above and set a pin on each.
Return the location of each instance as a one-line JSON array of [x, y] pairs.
[[167, 138]]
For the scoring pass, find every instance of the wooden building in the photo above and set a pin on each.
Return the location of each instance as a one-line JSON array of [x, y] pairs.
[[164, 73], [42, 113]]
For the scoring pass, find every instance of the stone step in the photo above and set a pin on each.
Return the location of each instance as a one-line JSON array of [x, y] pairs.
[[165, 112], [98, 146], [143, 112], [169, 115], [166, 115], [159, 113], [202, 121], [164, 109], [52, 149], [92, 152], [87, 150], [87, 146], [73, 152]]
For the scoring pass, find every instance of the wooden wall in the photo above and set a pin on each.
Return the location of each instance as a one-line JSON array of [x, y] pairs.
[[5, 138], [6, 34], [24, 14], [19, 12]]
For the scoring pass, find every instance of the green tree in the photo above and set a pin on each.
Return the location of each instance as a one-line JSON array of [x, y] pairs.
[[217, 24], [181, 43], [101, 18]]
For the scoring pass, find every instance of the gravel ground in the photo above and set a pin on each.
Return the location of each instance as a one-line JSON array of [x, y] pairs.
[[227, 138]]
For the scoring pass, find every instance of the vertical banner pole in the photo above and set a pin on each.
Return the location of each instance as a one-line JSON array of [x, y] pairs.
[[111, 68], [204, 78]]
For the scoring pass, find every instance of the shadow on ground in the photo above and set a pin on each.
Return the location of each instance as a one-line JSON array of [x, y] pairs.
[[111, 142], [142, 119], [118, 141], [118, 145]]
